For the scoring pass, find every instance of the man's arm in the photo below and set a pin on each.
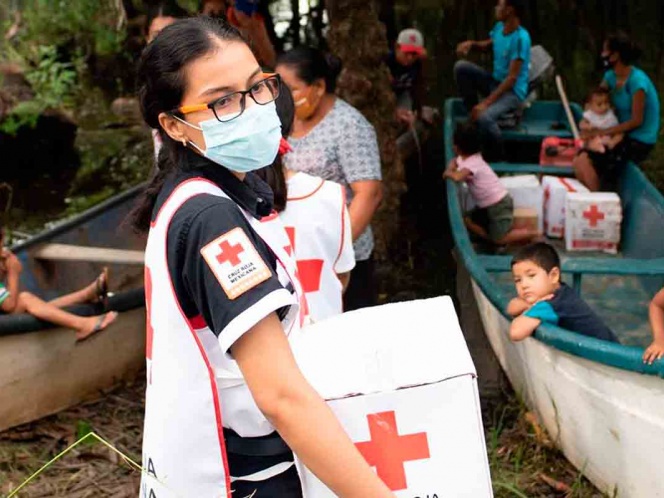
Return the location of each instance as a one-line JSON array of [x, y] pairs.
[[465, 47]]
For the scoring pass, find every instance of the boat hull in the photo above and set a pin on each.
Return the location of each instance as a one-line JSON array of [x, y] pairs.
[[608, 422], [46, 371]]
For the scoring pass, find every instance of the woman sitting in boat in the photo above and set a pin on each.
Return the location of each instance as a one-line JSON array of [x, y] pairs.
[[14, 301], [332, 140], [656, 312], [543, 297], [316, 218], [635, 99], [494, 218]]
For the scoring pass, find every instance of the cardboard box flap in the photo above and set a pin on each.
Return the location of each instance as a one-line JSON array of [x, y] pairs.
[[383, 348]]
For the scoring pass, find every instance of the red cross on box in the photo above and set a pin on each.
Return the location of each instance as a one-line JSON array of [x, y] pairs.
[[387, 450], [593, 215], [229, 253]]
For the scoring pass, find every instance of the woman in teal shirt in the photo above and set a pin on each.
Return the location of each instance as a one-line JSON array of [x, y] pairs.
[[636, 102]]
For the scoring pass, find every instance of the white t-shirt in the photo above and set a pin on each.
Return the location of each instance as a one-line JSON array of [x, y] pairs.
[[601, 121], [318, 224]]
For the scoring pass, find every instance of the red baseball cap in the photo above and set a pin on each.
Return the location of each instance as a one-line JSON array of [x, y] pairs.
[[411, 40]]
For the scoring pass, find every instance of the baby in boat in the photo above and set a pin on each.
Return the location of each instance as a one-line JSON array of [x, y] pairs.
[[598, 115], [15, 301], [494, 217], [543, 297], [656, 312]]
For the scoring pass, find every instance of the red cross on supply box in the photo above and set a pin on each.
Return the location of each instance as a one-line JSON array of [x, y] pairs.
[[592, 221], [409, 402]]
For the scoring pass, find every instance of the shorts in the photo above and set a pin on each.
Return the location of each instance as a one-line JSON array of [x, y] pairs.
[[496, 219], [610, 164]]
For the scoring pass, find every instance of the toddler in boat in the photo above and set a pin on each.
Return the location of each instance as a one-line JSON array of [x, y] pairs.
[[656, 313], [598, 115], [494, 217], [15, 301], [543, 297]]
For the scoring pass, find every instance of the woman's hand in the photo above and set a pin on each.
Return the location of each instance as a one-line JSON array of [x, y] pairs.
[[299, 414]]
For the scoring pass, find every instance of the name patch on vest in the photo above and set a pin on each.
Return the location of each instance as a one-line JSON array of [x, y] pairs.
[[235, 263]]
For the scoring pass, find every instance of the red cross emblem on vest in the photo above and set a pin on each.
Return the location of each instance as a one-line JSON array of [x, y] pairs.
[[387, 450], [229, 253], [593, 215], [309, 270]]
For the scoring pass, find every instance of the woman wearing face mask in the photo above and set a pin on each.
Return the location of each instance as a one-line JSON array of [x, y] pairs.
[[316, 218], [635, 99], [221, 291], [332, 140]]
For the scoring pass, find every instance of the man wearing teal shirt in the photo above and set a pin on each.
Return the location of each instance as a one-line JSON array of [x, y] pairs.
[[507, 86]]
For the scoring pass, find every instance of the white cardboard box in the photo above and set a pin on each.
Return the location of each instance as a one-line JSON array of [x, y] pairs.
[[401, 382], [526, 192], [556, 189], [592, 222]]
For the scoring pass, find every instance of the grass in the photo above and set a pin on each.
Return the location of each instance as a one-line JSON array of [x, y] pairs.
[[524, 461]]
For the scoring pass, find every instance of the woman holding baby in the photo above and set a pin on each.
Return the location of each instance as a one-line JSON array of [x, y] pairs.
[[636, 104]]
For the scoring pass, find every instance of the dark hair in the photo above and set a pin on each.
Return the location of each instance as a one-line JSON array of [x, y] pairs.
[[540, 253], [312, 64], [169, 8], [273, 175], [519, 7], [598, 91], [467, 139], [161, 85], [623, 45]]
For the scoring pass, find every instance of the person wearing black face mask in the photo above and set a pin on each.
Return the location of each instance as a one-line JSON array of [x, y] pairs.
[[635, 99]]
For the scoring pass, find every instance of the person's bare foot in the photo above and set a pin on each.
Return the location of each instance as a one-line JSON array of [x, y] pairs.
[[95, 324]]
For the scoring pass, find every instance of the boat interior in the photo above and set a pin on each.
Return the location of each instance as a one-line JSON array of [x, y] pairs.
[[618, 287]]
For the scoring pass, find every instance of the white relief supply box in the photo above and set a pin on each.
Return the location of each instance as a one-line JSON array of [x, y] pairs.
[[592, 222], [556, 189], [526, 192], [401, 382]]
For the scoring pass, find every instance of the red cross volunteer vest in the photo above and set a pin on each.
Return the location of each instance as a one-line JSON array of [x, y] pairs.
[[318, 225], [194, 388]]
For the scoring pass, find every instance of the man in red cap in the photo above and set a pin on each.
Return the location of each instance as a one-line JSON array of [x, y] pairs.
[[405, 64]]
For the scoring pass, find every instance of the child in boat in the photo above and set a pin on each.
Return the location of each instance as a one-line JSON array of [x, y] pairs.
[[15, 301], [543, 297], [494, 218], [598, 115], [656, 312]]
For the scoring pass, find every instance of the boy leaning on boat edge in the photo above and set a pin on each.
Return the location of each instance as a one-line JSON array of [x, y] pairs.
[[544, 298]]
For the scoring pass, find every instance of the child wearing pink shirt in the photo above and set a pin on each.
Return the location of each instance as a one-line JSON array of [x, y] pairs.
[[494, 217]]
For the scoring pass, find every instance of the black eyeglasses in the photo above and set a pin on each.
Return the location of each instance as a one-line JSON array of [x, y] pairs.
[[231, 106]]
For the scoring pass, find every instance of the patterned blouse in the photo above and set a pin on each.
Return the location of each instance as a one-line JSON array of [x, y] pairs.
[[341, 148]]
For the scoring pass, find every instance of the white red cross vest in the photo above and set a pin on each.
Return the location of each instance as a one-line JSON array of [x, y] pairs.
[[193, 385], [316, 220]]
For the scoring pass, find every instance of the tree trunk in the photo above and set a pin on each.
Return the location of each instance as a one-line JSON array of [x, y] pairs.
[[358, 38]]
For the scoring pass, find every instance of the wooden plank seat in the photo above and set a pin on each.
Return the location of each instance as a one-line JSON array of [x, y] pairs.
[[577, 267], [535, 169], [67, 252]]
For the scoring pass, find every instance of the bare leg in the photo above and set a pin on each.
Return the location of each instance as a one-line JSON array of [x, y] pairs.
[[475, 228], [519, 235], [84, 295], [585, 172], [84, 326]]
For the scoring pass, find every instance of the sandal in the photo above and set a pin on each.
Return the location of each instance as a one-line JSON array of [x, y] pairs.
[[102, 288], [98, 326]]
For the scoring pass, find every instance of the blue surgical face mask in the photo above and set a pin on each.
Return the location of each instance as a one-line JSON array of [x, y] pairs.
[[247, 143]]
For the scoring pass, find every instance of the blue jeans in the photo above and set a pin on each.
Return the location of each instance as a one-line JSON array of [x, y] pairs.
[[472, 80]]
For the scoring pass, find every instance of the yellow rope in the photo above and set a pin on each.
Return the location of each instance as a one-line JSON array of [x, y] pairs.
[[127, 459]]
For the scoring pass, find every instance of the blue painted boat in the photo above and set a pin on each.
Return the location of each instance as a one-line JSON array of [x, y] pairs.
[[599, 402], [42, 368]]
